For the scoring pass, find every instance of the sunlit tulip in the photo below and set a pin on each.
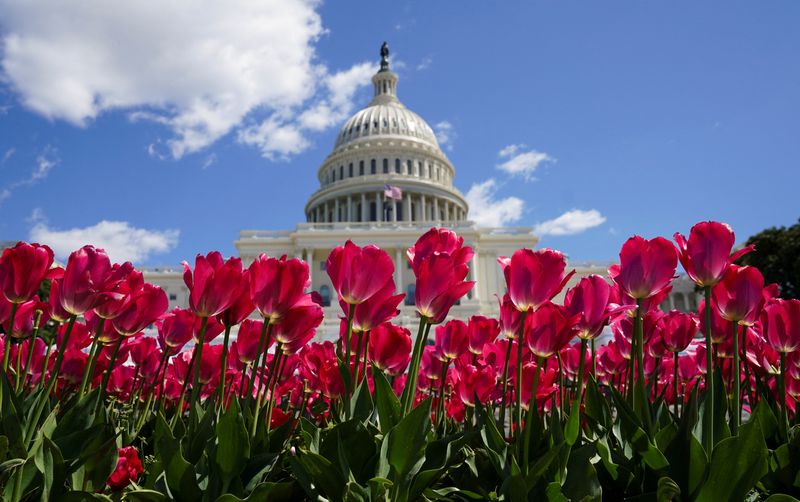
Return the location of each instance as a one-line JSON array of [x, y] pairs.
[[377, 309], [277, 284], [242, 305], [143, 309], [247, 340], [128, 469], [780, 322], [54, 308], [509, 318], [534, 277], [24, 318], [439, 241], [125, 282], [646, 267], [480, 382], [548, 329], [481, 330], [175, 329], [85, 280], [589, 299], [706, 255], [678, 330], [440, 284], [22, 269], [358, 273], [738, 296], [213, 284], [298, 326], [452, 339], [390, 348]]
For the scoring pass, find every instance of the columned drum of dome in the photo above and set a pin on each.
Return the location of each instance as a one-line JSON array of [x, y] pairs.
[[386, 145]]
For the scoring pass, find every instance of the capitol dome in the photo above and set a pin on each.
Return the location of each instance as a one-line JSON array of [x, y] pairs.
[[386, 166]]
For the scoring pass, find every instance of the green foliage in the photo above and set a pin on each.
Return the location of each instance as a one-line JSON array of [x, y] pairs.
[[777, 256]]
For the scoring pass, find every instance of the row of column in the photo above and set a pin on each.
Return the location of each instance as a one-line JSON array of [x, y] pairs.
[[330, 211]]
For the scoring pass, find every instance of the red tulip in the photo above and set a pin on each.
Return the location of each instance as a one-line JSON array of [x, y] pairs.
[[128, 469], [646, 267], [707, 253], [124, 281], [452, 339], [175, 330], [474, 382], [79, 338], [277, 284], [721, 329], [481, 330], [54, 309], [22, 269], [247, 340], [378, 309], [209, 364], [213, 329], [548, 329], [106, 334], [358, 273], [780, 321], [589, 298], [440, 284], [143, 309], [509, 318], [24, 318], [83, 286], [534, 277], [439, 241], [678, 330], [298, 326], [546, 387], [431, 367], [390, 348], [242, 305], [738, 296], [214, 283]]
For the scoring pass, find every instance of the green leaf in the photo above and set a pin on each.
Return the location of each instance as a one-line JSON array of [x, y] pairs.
[[361, 408], [667, 490], [389, 408], [597, 405], [50, 463], [267, 492], [321, 472], [74, 428], [636, 437], [142, 495], [514, 488], [781, 497], [736, 465], [403, 447], [180, 474], [581, 482], [573, 422], [233, 445], [543, 463]]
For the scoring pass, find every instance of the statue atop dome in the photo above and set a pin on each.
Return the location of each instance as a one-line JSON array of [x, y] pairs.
[[385, 57]]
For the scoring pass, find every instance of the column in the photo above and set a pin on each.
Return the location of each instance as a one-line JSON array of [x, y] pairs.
[[309, 257], [364, 215], [407, 207], [398, 269], [395, 207], [447, 211], [436, 210], [378, 207], [473, 270], [350, 208], [424, 212], [336, 210]]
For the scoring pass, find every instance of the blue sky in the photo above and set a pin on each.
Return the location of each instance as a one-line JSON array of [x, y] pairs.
[[163, 131]]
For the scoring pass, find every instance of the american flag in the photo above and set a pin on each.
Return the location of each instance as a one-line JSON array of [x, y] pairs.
[[392, 192]]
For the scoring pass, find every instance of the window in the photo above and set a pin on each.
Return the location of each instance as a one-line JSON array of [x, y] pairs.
[[361, 168], [411, 289], [408, 166], [341, 172], [397, 166], [373, 169], [325, 293], [385, 166], [322, 265], [173, 297], [373, 212], [350, 170]]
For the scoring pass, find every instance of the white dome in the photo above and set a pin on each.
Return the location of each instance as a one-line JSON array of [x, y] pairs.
[[389, 119]]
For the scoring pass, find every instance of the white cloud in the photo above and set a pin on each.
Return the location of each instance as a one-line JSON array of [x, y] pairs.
[[426, 63], [571, 223], [210, 161], [198, 68], [521, 161], [7, 155], [445, 134], [45, 162], [121, 241], [488, 211]]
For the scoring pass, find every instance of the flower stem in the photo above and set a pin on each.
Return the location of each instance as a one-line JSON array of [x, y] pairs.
[[93, 351], [59, 356], [735, 410], [110, 368], [529, 417], [31, 346], [708, 418], [504, 404], [782, 398], [201, 340], [676, 397], [413, 371], [223, 368], [518, 382]]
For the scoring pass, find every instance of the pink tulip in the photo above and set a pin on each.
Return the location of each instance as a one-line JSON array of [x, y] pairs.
[[247, 340], [298, 326], [103, 334], [213, 284], [548, 329], [707, 254], [480, 382], [175, 330], [534, 277], [780, 322], [481, 330], [589, 298], [277, 284], [439, 241], [124, 281], [440, 284], [377, 309], [22, 269], [143, 309], [678, 330], [738, 296], [510, 318], [646, 267], [24, 318], [85, 279], [358, 273], [242, 305], [390, 348], [54, 308], [452, 339]]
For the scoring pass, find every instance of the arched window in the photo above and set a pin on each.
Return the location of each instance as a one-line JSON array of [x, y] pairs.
[[350, 170], [411, 289], [385, 166], [373, 169], [680, 302], [325, 293], [408, 166], [341, 172], [361, 168], [397, 166]]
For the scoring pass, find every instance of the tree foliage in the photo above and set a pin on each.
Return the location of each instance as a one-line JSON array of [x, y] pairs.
[[777, 255]]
